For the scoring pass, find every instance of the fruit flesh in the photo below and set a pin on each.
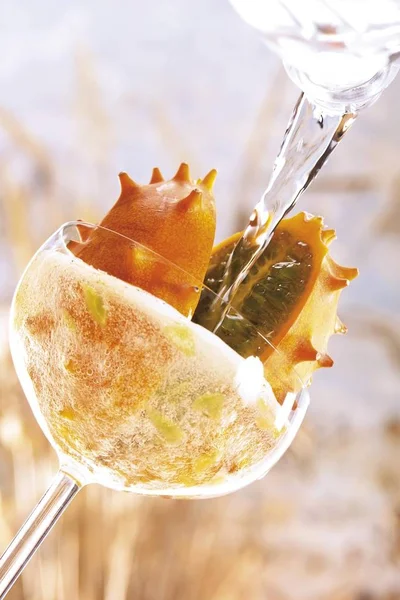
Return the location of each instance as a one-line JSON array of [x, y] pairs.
[[290, 296]]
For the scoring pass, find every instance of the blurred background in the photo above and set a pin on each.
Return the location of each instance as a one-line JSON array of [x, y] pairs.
[[91, 88]]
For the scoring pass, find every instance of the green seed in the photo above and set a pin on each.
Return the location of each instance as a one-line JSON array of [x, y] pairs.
[[265, 423], [205, 461], [69, 320], [182, 338], [67, 413], [265, 419], [70, 366], [95, 305], [210, 405], [167, 429]]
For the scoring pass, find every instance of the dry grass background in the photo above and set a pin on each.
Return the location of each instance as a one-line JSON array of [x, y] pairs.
[[325, 524]]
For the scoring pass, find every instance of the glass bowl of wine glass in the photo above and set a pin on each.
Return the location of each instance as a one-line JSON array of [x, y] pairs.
[[135, 396]]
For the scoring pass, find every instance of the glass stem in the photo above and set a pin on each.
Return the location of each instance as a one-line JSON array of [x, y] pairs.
[[28, 539]]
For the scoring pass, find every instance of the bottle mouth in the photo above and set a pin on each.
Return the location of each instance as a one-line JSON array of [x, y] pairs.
[[341, 56], [344, 25], [340, 96]]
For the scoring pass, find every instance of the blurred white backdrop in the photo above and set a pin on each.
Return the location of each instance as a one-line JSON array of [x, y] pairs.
[[91, 88]]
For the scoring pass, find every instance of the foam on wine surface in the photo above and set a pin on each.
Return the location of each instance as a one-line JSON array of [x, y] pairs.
[[122, 383]]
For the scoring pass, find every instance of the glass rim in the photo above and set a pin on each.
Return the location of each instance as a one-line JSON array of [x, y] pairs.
[[290, 411], [201, 285], [132, 241]]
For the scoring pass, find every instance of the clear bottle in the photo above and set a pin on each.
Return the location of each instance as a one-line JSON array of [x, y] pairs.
[[341, 53]]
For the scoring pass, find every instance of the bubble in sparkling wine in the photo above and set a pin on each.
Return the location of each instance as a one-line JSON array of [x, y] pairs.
[[130, 388]]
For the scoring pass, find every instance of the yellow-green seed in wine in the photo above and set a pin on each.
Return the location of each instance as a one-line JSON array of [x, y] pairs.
[[182, 338], [167, 429], [95, 305], [210, 405]]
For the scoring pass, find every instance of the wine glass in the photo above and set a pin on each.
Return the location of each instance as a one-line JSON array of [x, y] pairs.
[[133, 395]]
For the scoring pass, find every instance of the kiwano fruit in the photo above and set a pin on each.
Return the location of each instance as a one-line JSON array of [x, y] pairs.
[[173, 219], [290, 296]]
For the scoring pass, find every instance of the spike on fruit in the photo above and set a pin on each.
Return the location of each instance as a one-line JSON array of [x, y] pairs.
[[126, 182], [182, 174], [340, 327], [348, 272], [341, 272], [156, 176], [305, 352], [209, 179], [193, 200], [336, 283], [328, 235], [324, 360]]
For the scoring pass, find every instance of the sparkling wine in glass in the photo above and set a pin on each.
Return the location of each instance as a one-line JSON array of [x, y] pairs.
[[133, 395]]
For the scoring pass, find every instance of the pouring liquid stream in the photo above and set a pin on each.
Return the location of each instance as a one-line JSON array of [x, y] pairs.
[[310, 137]]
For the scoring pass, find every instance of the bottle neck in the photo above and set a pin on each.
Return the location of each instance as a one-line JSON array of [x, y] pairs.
[[340, 93]]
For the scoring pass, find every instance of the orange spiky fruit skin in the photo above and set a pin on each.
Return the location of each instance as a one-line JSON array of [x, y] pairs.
[[175, 219], [302, 332], [305, 344]]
